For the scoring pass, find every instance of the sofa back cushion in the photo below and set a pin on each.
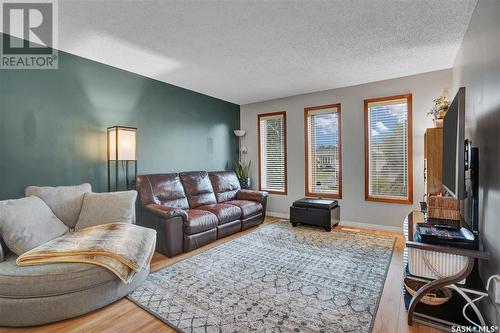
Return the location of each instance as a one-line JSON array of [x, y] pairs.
[[27, 223], [225, 184], [104, 208], [198, 188], [162, 189], [65, 201]]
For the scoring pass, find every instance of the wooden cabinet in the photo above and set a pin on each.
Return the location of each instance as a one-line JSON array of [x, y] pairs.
[[433, 160]]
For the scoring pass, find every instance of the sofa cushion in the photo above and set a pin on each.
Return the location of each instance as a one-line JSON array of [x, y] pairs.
[[27, 223], [49, 280], [104, 208], [248, 208], [198, 188], [199, 220], [65, 201], [162, 189], [225, 184], [224, 212]]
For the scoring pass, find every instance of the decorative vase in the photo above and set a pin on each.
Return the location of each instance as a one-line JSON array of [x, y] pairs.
[[438, 123], [442, 112], [245, 183]]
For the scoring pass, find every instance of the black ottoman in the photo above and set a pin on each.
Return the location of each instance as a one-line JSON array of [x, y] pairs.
[[319, 212]]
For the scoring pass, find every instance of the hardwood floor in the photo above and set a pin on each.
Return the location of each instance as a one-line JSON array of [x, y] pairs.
[[124, 316]]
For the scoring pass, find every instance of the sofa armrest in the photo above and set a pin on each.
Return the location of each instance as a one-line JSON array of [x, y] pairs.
[[169, 225], [166, 212], [259, 196]]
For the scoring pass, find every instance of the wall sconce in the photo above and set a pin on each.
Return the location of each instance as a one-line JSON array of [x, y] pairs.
[[121, 143], [240, 133]]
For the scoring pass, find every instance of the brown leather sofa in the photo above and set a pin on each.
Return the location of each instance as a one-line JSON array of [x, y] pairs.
[[191, 209]]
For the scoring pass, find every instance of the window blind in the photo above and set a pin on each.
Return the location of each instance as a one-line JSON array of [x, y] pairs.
[[388, 148], [272, 152], [323, 155]]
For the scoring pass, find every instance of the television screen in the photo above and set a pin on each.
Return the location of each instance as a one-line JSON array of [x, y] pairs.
[[454, 147]]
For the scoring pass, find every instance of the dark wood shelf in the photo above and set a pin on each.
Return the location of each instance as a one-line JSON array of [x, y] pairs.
[[446, 315]]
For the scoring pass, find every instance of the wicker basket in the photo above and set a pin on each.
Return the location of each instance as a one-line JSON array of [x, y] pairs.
[[440, 207], [435, 297]]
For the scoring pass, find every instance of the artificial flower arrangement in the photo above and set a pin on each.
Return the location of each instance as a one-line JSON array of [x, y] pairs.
[[441, 105]]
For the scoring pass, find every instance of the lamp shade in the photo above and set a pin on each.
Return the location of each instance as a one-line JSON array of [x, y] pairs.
[[122, 143], [239, 132]]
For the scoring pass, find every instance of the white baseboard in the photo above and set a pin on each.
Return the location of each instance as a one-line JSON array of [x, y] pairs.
[[371, 226], [280, 215], [348, 223]]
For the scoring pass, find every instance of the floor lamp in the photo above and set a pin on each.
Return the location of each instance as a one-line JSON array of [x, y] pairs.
[[121, 144], [240, 134]]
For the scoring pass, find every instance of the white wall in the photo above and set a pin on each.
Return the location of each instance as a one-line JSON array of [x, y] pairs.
[[354, 208]]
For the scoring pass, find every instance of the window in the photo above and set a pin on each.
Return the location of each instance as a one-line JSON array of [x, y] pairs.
[[388, 149], [323, 160], [272, 152]]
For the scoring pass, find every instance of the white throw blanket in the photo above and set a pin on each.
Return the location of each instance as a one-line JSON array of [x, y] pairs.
[[125, 249]]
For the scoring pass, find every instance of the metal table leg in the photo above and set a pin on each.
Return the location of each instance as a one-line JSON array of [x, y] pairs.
[[439, 283]]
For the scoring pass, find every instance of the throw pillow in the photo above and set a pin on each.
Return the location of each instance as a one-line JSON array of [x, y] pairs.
[[104, 208], [27, 223], [65, 201]]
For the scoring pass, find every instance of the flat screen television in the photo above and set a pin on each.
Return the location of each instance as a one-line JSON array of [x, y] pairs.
[[454, 147]]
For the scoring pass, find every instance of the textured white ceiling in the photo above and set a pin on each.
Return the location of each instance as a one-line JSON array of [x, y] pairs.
[[249, 51]]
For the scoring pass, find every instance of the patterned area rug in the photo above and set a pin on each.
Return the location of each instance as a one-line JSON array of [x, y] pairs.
[[276, 279]]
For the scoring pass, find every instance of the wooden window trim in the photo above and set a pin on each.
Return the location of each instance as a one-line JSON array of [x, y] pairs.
[[409, 200], [306, 113], [263, 115]]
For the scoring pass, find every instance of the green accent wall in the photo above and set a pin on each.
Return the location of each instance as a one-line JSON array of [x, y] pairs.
[[53, 125]]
